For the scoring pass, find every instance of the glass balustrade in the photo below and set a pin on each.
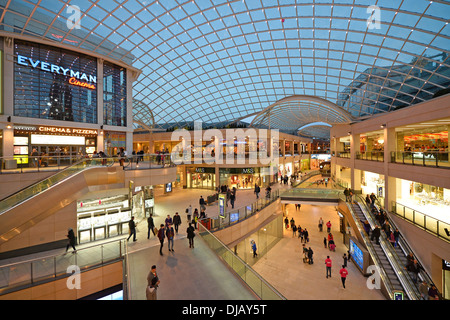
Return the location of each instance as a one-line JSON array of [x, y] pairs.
[[425, 158], [259, 286], [35, 271]]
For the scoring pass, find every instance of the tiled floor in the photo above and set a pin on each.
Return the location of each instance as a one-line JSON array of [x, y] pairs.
[[198, 274]]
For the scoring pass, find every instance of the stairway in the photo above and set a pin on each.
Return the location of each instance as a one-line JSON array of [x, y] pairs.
[[390, 272]]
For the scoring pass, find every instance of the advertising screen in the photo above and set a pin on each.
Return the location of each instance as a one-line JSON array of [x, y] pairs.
[[234, 217], [222, 205], [357, 254]]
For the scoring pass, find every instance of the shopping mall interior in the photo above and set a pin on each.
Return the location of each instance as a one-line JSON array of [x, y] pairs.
[[283, 150]]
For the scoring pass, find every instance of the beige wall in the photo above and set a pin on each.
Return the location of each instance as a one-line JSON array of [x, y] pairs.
[[92, 281], [46, 217]]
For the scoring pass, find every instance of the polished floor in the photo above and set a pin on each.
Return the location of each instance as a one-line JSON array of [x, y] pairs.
[[198, 274], [282, 267]]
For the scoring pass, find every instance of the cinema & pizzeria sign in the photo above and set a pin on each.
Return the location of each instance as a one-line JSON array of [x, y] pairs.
[[51, 130], [77, 78]]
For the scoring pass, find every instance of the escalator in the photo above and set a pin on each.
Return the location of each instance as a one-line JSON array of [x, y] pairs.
[[392, 259], [29, 206], [383, 260]]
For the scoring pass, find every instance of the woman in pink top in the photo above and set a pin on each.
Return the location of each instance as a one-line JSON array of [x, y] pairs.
[[344, 274]]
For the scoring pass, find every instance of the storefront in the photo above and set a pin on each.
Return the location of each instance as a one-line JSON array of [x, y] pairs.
[[371, 142], [318, 159], [372, 183], [53, 143], [429, 200], [102, 218], [201, 178], [114, 141], [244, 178], [108, 217]]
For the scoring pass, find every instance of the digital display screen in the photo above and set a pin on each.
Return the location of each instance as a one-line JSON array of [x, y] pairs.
[[234, 217], [357, 254], [222, 205], [169, 187]]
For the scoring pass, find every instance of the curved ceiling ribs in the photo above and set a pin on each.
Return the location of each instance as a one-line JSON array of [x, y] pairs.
[[220, 61]]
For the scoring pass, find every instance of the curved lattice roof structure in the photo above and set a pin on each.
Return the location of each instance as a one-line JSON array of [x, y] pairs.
[[219, 60]]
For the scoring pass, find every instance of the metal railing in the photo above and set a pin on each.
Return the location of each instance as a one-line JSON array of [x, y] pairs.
[[392, 256], [437, 227], [422, 158], [253, 280], [388, 284], [24, 274], [370, 155]]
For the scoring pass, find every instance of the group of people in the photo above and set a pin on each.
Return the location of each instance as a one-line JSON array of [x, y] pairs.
[[348, 193], [230, 194]]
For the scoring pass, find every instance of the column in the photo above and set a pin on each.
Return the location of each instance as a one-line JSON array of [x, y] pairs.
[[8, 96]]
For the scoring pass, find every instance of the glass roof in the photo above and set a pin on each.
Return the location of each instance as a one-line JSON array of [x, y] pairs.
[[219, 60]]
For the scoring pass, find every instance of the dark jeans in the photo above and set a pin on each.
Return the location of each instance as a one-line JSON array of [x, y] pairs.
[[132, 233], [176, 228], [191, 242], [153, 230], [328, 271], [161, 247], [343, 281]]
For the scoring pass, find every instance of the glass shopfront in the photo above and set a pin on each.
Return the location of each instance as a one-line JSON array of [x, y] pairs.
[[53, 83], [244, 178], [52, 144], [102, 218], [114, 141], [372, 183], [430, 200], [201, 178]]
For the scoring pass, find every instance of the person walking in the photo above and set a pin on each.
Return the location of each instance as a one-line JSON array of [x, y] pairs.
[[189, 213], [170, 234], [176, 221], [294, 231], [325, 242], [257, 191], [423, 289], [152, 284], [202, 203], [190, 231], [71, 237], [310, 256], [254, 249], [132, 228], [168, 221], [328, 264], [345, 259], [343, 272], [320, 224], [232, 199], [151, 226], [161, 237], [328, 226], [306, 235]]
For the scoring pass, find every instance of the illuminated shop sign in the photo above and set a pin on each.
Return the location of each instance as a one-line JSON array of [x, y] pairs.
[[48, 129], [77, 78]]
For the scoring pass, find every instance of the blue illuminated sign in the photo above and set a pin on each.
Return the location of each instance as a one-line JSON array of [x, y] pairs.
[[234, 217], [357, 254]]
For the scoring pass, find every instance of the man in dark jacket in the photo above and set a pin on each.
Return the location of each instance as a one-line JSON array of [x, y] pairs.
[[161, 236], [190, 235], [71, 237], [176, 221], [376, 234], [151, 226], [132, 227]]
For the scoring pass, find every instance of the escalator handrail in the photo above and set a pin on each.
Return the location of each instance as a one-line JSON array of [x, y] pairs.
[[404, 277], [371, 250], [51, 185], [406, 247]]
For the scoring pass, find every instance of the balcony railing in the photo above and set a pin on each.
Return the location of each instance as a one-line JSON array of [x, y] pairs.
[[419, 158], [370, 155], [437, 227]]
